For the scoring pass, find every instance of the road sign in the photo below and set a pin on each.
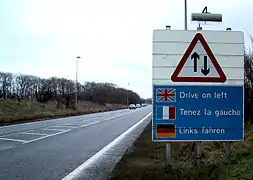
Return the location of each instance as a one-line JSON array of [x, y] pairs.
[[200, 113], [198, 85], [197, 52]]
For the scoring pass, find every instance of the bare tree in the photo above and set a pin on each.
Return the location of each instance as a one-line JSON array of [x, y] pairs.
[[248, 76], [19, 86]]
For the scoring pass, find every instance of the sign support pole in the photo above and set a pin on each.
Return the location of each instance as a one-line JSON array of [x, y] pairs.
[[199, 144], [199, 153], [228, 144], [185, 14], [228, 148], [168, 154], [168, 148]]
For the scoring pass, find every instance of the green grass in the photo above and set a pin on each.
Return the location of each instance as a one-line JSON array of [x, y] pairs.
[[12, 112], [147, 161]]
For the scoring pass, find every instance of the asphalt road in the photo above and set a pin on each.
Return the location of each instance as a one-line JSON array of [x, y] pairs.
[[52, 149]]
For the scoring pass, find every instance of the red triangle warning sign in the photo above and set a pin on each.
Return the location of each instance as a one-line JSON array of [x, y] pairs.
[[198, 64]]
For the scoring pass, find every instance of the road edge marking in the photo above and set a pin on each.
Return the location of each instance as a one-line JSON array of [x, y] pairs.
[[75, 173]]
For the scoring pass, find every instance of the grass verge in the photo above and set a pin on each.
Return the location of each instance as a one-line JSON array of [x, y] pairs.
[[13, 112], [146, 161]]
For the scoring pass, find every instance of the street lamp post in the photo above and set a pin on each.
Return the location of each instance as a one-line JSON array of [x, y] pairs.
[[185, 14], [78, 57], [127, 93]]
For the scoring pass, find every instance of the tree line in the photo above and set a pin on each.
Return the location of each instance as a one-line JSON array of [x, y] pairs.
[[20, 87]]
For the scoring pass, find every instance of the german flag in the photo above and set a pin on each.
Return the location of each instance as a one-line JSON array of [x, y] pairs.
[[165, 131]]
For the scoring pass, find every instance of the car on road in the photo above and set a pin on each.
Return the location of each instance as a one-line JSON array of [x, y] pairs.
[[143, 105], [138, 106], [132, 106]]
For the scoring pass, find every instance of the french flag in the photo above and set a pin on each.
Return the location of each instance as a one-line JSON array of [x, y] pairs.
[[166, 112]]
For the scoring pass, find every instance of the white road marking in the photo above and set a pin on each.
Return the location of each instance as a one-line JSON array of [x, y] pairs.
[[113, 117], [89, 124], [110, 118], [10, 139], [61, 126], [73, 125], [53, 129], [88, 119], [30, 133], [44, 137], [81, 123], [94, 158]]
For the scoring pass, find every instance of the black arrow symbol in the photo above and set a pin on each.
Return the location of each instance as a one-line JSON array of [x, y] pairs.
[[205, 71], [195, 56]]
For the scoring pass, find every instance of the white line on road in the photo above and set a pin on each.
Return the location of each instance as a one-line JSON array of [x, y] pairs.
[[10, 139], [71, 125], [111, 118], [88, 119], [30, 133], [77, 123], [62, 126], [120, 115], [44, 137], [89, 124], [76, 173], [61, 131], [53, 129]]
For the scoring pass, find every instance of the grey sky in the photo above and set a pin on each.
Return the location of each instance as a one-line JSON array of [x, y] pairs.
[[113, 37]]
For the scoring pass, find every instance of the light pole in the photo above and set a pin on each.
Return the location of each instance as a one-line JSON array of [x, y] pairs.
[[78, 57], [127, 92], [185, 14]]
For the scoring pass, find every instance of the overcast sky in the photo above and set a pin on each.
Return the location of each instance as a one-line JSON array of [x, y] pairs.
[[113, 37]]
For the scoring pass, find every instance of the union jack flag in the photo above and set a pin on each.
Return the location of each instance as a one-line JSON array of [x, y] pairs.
[[165, 95]]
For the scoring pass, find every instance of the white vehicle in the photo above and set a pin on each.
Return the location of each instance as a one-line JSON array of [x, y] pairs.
[[138, 106], [132, 106]]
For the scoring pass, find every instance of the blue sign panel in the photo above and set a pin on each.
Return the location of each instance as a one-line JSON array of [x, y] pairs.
[[198, 113]]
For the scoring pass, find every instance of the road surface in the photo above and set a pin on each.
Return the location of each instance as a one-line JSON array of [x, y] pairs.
[[52, 149]]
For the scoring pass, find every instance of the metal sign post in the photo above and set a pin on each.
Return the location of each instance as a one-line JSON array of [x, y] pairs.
[[168, 154], [168, 148]]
